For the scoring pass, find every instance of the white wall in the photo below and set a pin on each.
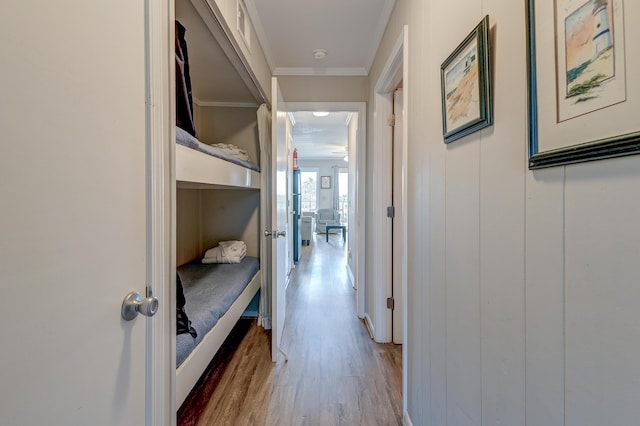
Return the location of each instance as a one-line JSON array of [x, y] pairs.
[[325, 168], [230, 125], [204, 217], [523, 286], [188, 225], [323, 88]]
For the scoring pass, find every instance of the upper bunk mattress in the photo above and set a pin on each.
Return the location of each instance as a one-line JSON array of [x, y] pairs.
[[209, 291], [184, 138]]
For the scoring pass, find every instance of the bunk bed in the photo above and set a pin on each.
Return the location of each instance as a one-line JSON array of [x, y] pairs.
[[217, 198], [199, 164], [215, 297]]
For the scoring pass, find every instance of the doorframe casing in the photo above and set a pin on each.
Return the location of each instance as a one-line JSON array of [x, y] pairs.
[[161, 192], [395, 70], [399, 236], [393, 73], [357, 229]]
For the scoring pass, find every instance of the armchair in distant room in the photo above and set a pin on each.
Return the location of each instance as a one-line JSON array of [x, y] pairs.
[[307, 223], [326, 217]]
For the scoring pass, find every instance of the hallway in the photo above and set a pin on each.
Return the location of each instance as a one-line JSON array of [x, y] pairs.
[[336, 375]]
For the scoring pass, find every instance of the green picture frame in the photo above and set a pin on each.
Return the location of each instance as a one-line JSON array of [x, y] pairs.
[[465, 78], [596, 133]]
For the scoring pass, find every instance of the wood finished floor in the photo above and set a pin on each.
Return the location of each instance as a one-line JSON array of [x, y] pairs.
[[336, 375]]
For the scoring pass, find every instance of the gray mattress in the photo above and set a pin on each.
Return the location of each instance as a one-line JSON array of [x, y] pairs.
[[210, 290], [184, 138]]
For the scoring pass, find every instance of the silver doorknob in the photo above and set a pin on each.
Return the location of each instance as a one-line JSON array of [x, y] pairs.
[[135, 304], [275, 234]]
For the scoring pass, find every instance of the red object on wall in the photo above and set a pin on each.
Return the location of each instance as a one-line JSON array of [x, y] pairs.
[[295, 159]]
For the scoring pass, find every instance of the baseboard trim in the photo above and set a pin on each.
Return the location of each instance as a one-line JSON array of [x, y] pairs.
[[352, 278], [369, 324], [406, 420]]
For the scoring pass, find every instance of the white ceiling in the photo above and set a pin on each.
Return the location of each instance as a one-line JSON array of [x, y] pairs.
[[320, 137], [290, 30], [349, 30]]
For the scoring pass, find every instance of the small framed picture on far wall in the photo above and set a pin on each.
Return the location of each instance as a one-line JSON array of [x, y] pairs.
[[325, 182]]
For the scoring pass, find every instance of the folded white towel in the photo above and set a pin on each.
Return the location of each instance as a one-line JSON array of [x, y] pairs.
[[232, 246], [224, 259], [231, 149], [226, 252], [232, 243]]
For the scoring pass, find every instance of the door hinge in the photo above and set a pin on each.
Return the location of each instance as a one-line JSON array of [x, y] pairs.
[[391, 212], [391, 120], [391, 303]]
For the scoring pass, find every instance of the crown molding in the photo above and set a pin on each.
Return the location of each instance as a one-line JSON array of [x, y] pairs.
[[335, 72]]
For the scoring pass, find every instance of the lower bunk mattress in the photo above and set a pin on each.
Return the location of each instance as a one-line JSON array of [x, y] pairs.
[[209, 291]]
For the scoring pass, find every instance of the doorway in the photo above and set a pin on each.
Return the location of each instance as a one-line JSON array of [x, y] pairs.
[[355, 165], [389, 261]]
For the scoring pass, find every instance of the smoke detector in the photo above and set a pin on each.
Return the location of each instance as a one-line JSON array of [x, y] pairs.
[[320, 53]]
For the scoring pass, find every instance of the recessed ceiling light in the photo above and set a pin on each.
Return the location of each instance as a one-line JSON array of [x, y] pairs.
[[320, 53], [320, 113]]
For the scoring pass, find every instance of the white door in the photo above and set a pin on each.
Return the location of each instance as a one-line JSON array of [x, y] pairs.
[[398, 239], [279, 218], [73, 218]]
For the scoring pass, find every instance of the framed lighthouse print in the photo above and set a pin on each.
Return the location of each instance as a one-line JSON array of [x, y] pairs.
[[465, 77], [582, 105]]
